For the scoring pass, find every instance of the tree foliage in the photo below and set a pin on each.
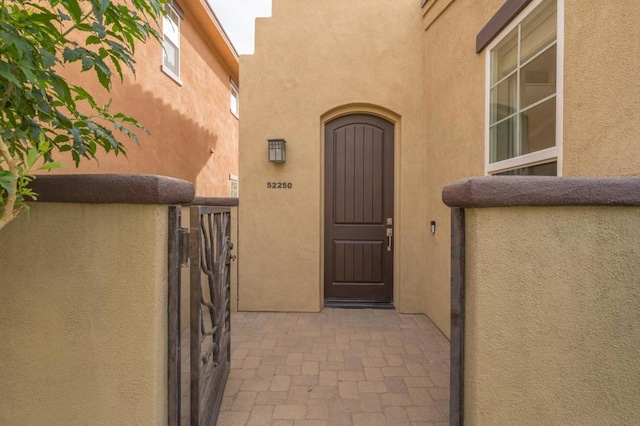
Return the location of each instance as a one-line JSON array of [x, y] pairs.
[[42, 113]]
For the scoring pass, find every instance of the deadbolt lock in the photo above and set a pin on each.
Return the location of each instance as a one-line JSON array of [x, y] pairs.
[[389, 221]]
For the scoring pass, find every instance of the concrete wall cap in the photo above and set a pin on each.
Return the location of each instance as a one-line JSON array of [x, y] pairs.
[[215, 201], [112, 189], [506, 191]]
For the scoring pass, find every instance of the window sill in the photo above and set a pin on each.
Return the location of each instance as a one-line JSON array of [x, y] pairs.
[[525, 160], [174, 77]]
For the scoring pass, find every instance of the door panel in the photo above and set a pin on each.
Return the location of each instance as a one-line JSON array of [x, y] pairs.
[[358, 202]]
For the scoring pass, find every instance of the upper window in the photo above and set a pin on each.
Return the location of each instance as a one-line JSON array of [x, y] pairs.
[[171, 42], [523, 94], [234, 99], [233, 186]]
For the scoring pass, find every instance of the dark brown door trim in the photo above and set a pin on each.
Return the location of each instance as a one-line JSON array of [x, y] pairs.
[[359, 207]]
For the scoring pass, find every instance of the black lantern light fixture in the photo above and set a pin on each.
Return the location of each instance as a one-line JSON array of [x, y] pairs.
[[277, 150]]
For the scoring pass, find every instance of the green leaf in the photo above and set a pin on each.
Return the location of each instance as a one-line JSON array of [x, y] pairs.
[[74, 10], [99, 29], [63, 16], [104, 5], [93, 39], [48, 60], [32, 156], [5, 72], [7, 187], [71, 55], [87, 63], [62, 89], [52, 165]]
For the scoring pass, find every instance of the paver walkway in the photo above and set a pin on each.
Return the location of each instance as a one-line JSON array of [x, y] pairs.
[[337, 367]]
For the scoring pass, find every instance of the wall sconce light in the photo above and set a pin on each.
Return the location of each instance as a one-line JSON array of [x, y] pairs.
[[433, 226], [277, 150]]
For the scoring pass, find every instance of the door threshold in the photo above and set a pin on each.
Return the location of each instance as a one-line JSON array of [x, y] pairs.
[[358, 304]]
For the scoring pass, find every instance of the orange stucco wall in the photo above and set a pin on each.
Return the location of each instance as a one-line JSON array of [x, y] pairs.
[[186, 122]]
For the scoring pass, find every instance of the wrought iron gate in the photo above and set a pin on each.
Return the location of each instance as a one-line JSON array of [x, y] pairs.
[[210, 322], [199, 354]]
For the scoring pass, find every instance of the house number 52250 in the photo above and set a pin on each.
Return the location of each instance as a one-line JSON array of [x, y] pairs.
[[279, 185]]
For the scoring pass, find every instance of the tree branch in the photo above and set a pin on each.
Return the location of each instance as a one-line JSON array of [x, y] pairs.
[[6, 96], [9, 213]]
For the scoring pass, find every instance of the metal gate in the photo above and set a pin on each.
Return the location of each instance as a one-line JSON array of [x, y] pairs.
[[210, 321], [202, 350]]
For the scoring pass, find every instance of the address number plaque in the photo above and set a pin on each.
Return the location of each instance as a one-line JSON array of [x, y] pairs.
[[279, 185]]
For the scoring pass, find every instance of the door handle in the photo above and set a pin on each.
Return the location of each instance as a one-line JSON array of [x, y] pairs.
[[389, 237]]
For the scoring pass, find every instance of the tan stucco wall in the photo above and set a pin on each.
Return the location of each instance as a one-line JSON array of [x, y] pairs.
[[601, 107], [310, 64], [83, 316], [421, 66], [551, 334], [454, 127], [185, 121], [602, 93]]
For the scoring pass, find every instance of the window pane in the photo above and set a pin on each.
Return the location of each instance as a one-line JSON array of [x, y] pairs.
[[548, 169], [503, 140], [170, 57], [170, 26], [234, 101], [539, 127], [504, 57], [538, 30], [538, 78], [503, 99]]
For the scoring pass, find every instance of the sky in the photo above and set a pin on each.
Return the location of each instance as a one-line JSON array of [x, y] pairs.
[[238, 19]]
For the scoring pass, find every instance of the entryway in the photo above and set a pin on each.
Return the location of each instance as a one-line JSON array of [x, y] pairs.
[[358, 259], [355, 367]]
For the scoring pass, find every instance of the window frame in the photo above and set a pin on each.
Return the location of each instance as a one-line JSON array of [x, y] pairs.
[[546, 155], [233, 179], [178, 15], [234, 90]]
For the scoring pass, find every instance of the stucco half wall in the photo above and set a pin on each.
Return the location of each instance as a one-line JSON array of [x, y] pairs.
[[83, 315], [545, 308], [85, 285], [307, 68], [552, 317]]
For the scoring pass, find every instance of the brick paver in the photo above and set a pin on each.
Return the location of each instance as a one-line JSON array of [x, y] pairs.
[[337, 367]]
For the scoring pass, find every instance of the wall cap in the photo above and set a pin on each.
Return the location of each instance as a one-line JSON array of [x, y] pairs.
[[507, 191], [112, 189], [215, 202]]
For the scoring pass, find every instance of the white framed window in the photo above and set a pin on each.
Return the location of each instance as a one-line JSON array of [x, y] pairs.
[[233, 186], [234, 99], [171, 43], [524, 93]]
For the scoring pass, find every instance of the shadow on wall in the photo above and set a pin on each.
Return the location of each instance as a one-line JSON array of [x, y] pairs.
[[177, 145]]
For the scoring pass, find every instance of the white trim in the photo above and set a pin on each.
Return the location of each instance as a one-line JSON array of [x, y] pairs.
[[542, 156], [560, 85], [234, 94], [233, 177], [170, 73], [175, 43], [545, 155]]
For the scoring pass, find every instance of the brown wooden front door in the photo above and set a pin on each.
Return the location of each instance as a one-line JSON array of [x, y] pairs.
[[358, 210]]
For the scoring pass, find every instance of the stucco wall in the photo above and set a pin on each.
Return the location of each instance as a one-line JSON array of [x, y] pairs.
[[552, 315], [83, 316], [312, 64], [601, 107], [454, 126], [602, 95], [185, 121]]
